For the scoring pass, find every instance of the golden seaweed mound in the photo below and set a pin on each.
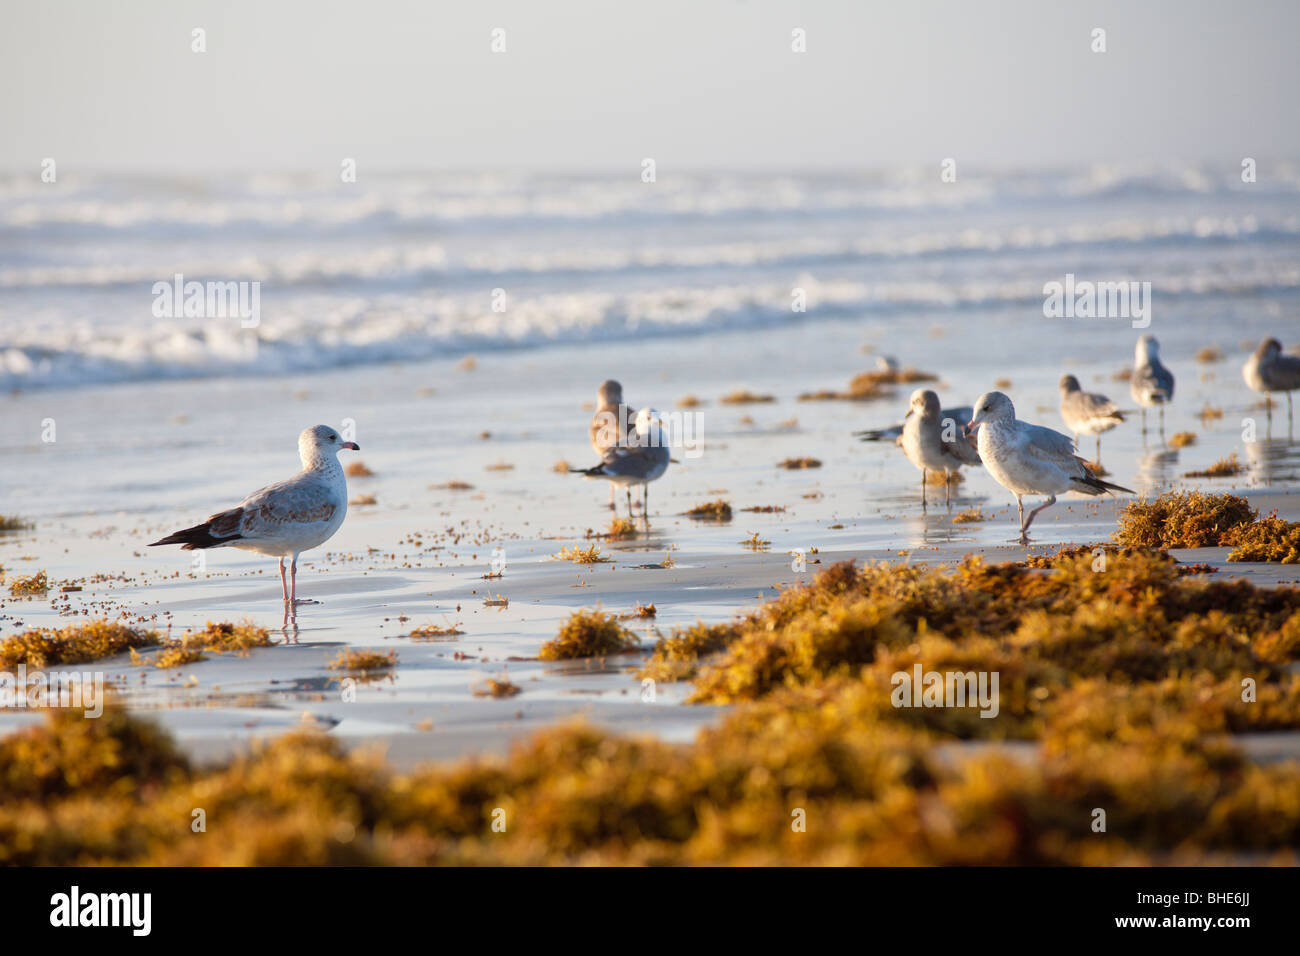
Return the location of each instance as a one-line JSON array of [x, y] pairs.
[[1122, 684], [1269, 539], [1137, 618], [92, 641], [589, 633], [1188, 519]]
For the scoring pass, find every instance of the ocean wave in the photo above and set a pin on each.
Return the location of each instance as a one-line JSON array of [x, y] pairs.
[[316, 333], [406, 202], [410, 264]]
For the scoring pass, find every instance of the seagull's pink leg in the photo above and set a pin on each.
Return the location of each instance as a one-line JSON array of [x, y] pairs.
[[293, 580], [1051, 500], [284, 585]]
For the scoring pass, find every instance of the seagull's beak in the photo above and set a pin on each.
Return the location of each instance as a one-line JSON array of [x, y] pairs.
[[351, 445]]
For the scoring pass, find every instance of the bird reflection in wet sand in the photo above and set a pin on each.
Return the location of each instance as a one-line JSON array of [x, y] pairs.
[[1273, 460], [289, 626], [1156, 469]]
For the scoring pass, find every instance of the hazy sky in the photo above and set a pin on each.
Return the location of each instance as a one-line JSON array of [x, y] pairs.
[[598, 84]]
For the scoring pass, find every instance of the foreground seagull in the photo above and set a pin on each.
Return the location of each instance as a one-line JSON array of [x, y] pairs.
[[1030, 459], [287, 518], [933, 441], [1268, 370], [640, 461], [1087, 412], [607, 430], [1151, 383]]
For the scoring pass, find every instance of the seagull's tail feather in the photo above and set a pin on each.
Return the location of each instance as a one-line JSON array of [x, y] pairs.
[[876, 434], [1092, 485], [199, 537], [595, 471]]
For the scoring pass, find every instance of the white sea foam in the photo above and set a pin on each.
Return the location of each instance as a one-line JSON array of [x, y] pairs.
[[316, 332], [422, 260], [404, 266]]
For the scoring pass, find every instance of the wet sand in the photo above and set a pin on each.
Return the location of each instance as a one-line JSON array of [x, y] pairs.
[[132, 464]]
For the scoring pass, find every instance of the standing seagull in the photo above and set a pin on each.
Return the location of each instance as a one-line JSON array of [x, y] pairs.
[[961, 413], [1087, 412], [611, 423], [287, 518], [640, 461], [1151, 383], [932, 442], [1268, 370], [1030, 459]]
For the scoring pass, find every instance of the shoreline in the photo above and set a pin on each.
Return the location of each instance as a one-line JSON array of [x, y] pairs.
[[218, 707]]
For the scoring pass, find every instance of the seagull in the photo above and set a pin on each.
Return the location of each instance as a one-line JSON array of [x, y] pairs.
[[1087, 412], [961, 413], [1151, 383], [1030, 459], [933, 442], [611, 423], [640, 461], [286, 518], [1268, 370]]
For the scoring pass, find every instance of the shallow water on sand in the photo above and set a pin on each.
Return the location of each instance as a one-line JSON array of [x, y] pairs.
[[131, 462]]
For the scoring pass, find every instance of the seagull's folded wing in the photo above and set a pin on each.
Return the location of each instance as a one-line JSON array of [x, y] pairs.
[[1092, 405], [1154, 377], [633, 461], [1288, 371], [267, 513], [1047, 444]]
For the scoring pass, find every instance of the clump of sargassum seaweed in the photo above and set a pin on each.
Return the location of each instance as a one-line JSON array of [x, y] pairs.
[[874, 384], [96, 640], [589, 633], [1126, 676], [350, 659], [718, 510], [1223, 468], [217, 637], [620, 529], [30, 584], [579, 555], [91, 641], [496, 687], [436, 632], [1197, 520]]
